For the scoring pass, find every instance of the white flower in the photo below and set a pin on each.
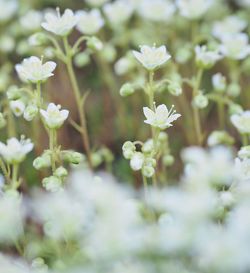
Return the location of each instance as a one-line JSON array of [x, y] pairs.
[[123, 65], [33, 70], [17, 107], [96, 3], [157, 10], [15, 151], [235, 46], [193, 9], [219, 82], [137, 161], [206, 58], [89, 22], [118, 12], [242, 122], [230, 25], [152, 57], [161, 118], [59, 24], [33, 16], [53, 116], [8, 9]]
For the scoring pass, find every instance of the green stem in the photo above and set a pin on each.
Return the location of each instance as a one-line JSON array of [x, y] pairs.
[[4, 170], [244, 139], [38, 94], [52, 134], [78, 99], [221, 112], [15, 183], [145, 184]]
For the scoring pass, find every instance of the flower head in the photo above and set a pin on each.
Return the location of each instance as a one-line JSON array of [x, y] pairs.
[[15, 151], [206, 58], [242, 122], [152, 57], [33, 70], [161, 117], [89, 22], [54, 116], [193, 9], [59, 24]]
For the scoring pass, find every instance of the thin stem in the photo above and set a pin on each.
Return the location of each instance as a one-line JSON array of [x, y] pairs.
[[221, 113], [38, 94], [52, 133], [80, 106], [15, 169], [4, 170], [145, 184], [244, 139]]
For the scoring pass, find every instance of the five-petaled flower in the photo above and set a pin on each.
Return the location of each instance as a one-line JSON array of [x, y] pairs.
[[14, 151], [33, 70], [54, 116], [59, 24], [162, 117], [152, 57]]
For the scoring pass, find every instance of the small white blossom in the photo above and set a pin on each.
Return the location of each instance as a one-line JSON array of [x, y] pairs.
[[118, 12], [33, 70], [162, 117], [33, 16], [206, 58], [54, 116], [89, 22], [15, 151], [242, 122], [235, 46], [8, 9], [157, 10], [219, 82], [228, 26], [193, 9], [152, 57], [59, 24], [137, 161], [17, 107]]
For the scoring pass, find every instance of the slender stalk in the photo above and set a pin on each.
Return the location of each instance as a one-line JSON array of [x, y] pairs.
[[78, 99], [52, 133], [145, 184], [221, 113], [5, 171], [15, 169], [245, 139], [39, 96]]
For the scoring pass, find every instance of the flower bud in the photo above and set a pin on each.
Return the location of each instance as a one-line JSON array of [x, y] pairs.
[[174, 88], [30, 112], [235, 109], [108, 53], [168, 160], [94, 43], [219, 83], [149, 161], [43, 161], [234, 89], [148, 171], [128, 149], [81, 59], [17, 107], [148, 146], [200, 101], [244, 152], [52, 183], [219, 137], [14, 93], [163, 136], [73, 157], [61, 172], [127, 89], [38, 39], [107, 154], [39, 265], [137, 161], [96, 159], [2, 121]]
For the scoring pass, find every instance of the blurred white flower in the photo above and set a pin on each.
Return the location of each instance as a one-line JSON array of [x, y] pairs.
[[228, 26], [59, 24], [52, 184], [15, 151], [118, 12], [235, 46], [206, 58], [157, 10], [54, 117], [33, 16], [33, 70], [242, 122], [193, 9], [152, 57], [17, 107], [161, 117], [8, 9], [219, 82], [124, 65], [137, 161], [89, 22]]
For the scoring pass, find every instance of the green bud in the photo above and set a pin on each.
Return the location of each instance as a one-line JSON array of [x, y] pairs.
[[73, 157], [163, 137], [43, 161], [168, 160], [234, 89], [61, 172], [38, 39], [150, 162], [148, 146], [128, 149], [108, 53], [107, 154], [30, 112], [148, 171], [3, 121], [127, 89], [52, 183], [175, 88], [81, 59], [235, 109], [220, 137], [96, 159], [94, 43], [13, 93], [200, 101]]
